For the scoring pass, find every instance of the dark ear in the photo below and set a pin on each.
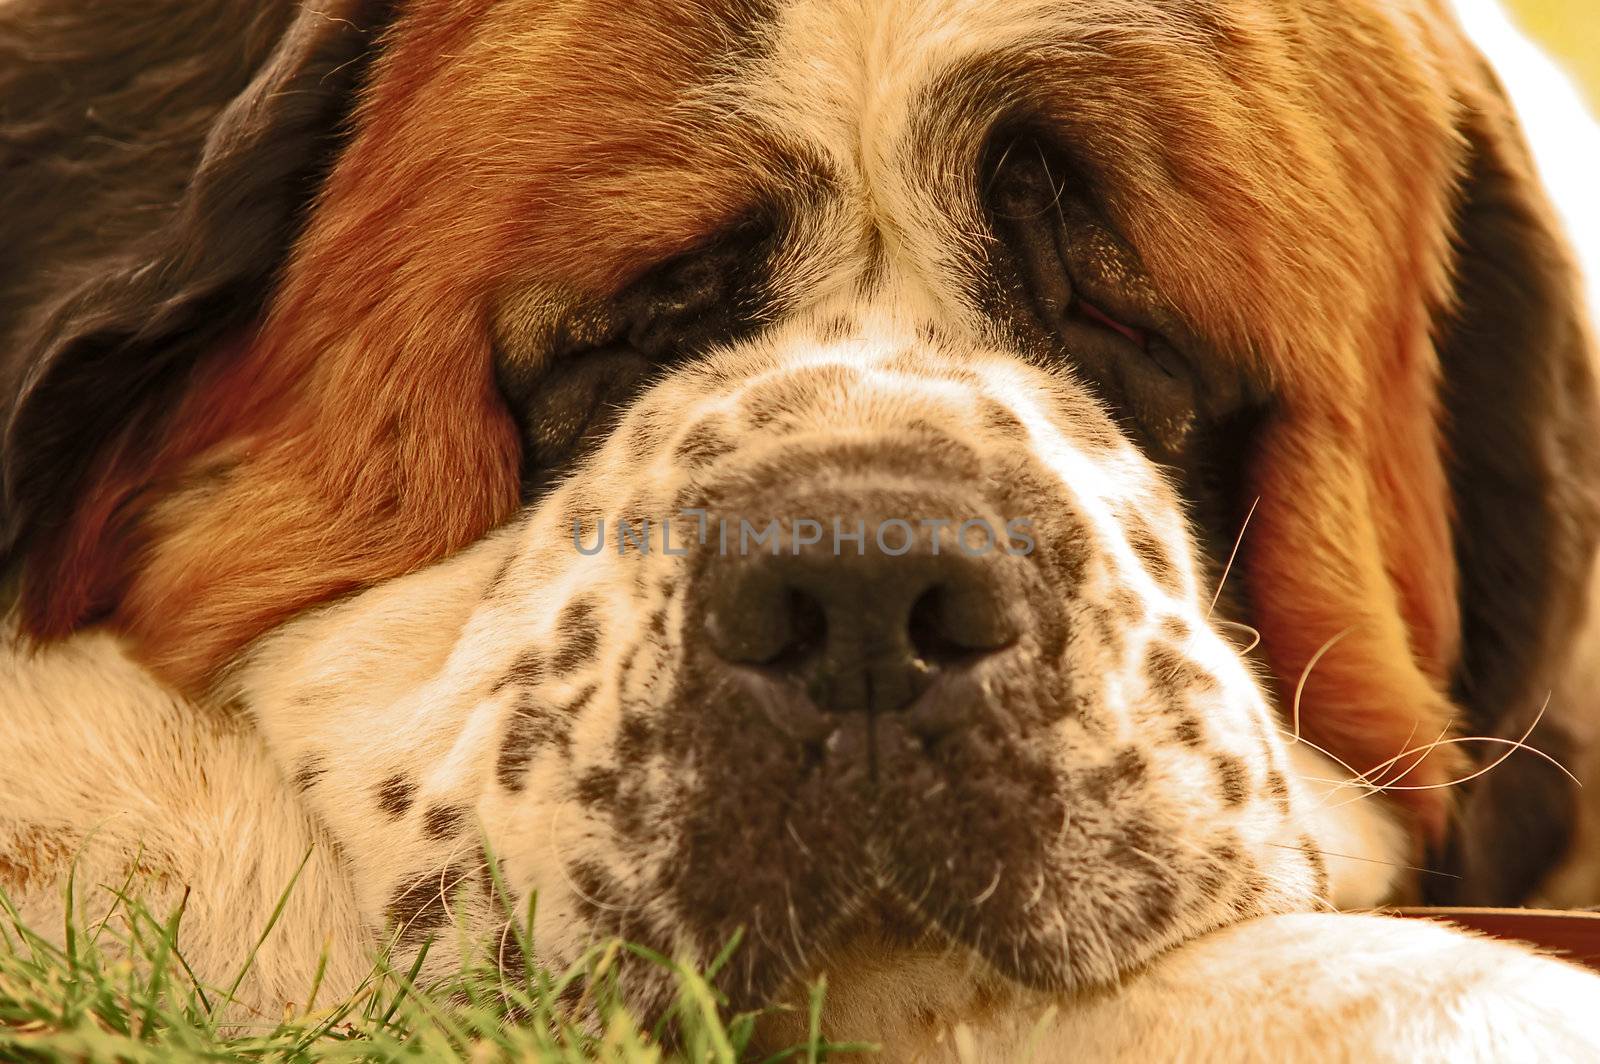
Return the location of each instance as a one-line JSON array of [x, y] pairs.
[[157, 159], [1524, 438]]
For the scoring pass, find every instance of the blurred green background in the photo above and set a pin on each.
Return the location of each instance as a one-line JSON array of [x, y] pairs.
[[1570, 31]]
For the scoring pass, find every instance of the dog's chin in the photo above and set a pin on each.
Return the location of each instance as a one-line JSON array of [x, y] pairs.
[[894, 974]]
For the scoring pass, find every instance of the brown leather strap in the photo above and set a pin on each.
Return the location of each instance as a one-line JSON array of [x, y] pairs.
[[1573, 934]]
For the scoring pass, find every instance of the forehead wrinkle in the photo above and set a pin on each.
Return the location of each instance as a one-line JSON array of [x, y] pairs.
[[880, 90], [1262, 82], [840, 78], [850, 70]]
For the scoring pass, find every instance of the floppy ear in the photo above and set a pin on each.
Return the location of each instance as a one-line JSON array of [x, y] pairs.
[[347, 427], [1348, 559], [177, 461], [1428, 520], [158, 166], [1524, 439], [1428, 502]]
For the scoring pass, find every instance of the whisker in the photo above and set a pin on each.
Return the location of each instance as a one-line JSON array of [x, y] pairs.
[[1355, 779], [1367, 860], [794, 920], [1254, 632], [1512, 745], [1374, 772], [988, 892], [995, 174], [1228, 568], [1056, 193], [561, 866], [1368, 778], [1329, 754], [1305, 673], [1515, 745]]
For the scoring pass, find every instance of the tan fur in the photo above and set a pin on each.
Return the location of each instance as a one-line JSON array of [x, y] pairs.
[[1287, 171], [358, 436]]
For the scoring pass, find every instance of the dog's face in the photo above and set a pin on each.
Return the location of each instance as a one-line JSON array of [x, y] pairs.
[[855, 575], [991, 701], [871, 394]]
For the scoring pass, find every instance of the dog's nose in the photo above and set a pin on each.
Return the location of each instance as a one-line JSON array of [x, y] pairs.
[[859, 629]]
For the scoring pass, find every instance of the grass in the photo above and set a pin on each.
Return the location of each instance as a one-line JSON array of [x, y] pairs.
[[122, 991]]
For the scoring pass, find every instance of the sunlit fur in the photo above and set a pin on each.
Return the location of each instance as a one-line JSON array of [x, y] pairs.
[[329, 467], [324, 548]]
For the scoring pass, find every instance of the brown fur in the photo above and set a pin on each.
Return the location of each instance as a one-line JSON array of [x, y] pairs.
[[33, 852], [1328, 269], [358, 434]]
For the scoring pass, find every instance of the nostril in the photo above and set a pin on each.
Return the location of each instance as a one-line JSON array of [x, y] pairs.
[[770, 625], [928, 635], [808, 630], [949, 626], [813, 634]]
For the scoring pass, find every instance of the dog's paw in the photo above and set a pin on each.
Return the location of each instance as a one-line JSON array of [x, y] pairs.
[[1324, 987]]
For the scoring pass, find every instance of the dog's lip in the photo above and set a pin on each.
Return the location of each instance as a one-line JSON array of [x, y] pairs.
[[883, 943], [884, 927], [934, 714], [881, 920], [884, 915]]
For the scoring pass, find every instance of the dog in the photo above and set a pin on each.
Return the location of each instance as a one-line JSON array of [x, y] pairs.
[[1022, 508]]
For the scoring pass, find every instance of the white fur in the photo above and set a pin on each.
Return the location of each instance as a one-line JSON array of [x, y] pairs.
[[97, 749], [109, 776], [120, 785], [1308, 989]]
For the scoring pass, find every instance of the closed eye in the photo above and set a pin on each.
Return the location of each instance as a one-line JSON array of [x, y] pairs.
[[1087, 311], [566, 383], [1060, 262]]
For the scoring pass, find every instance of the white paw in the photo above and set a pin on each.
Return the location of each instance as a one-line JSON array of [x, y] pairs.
[[1324, 988]]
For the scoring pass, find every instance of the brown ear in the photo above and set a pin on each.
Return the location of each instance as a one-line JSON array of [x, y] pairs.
[[353, 431], [1349, 559], [157, 167], [1352, 577], [158, 171], [1438, 518], [1524, 436], [350, 434]]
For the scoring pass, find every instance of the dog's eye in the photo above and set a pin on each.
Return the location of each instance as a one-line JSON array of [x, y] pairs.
[[573, 407], [1087, 311], [1065, 270], [568, 380]]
